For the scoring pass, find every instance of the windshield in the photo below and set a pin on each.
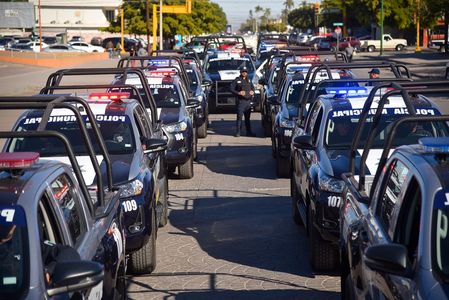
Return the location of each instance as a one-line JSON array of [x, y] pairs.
[[215, 65], [293, 91], [14, 254], [116, 130], [166, 95], [342, 124]]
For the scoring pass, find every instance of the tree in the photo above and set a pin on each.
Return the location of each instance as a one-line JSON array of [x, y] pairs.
[[288, 5], [302, 17], [206, 17], [437, 9]]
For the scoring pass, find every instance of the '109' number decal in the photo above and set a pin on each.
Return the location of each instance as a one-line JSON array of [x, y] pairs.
[[333, 201], [129, 205]]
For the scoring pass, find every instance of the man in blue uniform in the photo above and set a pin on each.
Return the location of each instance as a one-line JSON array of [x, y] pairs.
[[243, 89]]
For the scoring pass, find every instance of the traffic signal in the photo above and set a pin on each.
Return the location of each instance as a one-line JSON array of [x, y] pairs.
[[317, 8]]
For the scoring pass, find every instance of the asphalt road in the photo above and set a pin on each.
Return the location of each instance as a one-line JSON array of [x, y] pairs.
[[230, 231]]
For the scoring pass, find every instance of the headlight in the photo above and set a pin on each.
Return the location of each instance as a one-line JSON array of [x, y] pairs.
[[132, 188], [177, 127], [330, 184], [286, 123]]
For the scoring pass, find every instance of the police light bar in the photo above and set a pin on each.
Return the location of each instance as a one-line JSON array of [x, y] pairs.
[[346, 90], [17, 160], [109, 96], [309, 58], [435, 145], [162, 73]]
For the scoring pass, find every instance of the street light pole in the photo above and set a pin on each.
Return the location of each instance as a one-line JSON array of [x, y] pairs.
[[161, 47], [417, 49], [382, 27], [40, 25]]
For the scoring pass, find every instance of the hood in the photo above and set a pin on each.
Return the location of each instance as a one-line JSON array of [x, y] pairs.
[[289, 111], [120, 165], [168, 115], [336, 162], [228, 74]]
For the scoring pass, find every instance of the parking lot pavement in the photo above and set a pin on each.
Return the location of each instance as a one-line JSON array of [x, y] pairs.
[[231, 234]]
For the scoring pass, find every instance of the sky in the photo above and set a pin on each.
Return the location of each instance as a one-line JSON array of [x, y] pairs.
[[237, 11]]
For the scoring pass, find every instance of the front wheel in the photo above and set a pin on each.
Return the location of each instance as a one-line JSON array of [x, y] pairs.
[[371, 48], [295, 198], [143, 261], [323, 255], [399, 47], [186, 169], [202, 130]]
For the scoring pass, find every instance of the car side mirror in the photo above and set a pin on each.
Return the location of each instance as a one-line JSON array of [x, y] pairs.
[[192, 103], [389, 258], [154, 145], [206, 83], [303, 142], [75, 276]]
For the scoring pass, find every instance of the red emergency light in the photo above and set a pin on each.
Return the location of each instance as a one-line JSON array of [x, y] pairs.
[[310, 58], [109, 96], [17, 160], [162, 73]]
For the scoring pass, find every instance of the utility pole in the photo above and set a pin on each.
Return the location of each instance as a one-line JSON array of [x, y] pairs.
[[122, 28], [417, 49], [161, 47], [147, 14], [382, 27], [40, 25]]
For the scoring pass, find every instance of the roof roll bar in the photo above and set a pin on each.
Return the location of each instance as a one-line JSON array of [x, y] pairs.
[[68, 148], [55, 79], [48, 90], [399, 89], [50, 103]]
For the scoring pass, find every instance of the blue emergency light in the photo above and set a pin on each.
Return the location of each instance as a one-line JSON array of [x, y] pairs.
[[350, 90], [435, 144]]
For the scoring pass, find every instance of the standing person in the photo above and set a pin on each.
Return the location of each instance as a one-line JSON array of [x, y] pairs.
[[141, 52], [118, 49], [132, 53], [243, 89], [349, 52], [110, 48], [373, 74]]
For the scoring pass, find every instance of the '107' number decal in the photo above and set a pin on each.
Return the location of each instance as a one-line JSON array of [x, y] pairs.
[[129, 205], [333, 201]]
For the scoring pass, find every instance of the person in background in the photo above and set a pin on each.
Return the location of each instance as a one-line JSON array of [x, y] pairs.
[[132, 53], [374, 73], [141, 52], [110, 48], [118, 49], [349, 50], [243, 89]]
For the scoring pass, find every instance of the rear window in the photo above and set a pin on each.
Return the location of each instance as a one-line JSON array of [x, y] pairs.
[[215, 65], [14, 254], [116, 130], [293, 91], [166, 95]]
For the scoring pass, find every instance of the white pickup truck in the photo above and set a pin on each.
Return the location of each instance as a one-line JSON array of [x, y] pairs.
[[389, 43]]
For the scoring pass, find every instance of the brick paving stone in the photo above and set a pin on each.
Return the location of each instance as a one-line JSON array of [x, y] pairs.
[[230, 233]]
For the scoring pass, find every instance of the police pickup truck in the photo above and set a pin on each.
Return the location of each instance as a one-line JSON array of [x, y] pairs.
[[320, 155], [136, 154], [393, 236], [55, 238]]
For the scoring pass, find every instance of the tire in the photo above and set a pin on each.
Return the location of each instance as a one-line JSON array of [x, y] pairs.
[[333, 49], [295, 198], [164, 216], [323, 255], [399, 47], [282, 166], [273, 148], [195, 143], [202, 130], [371, 48], [349, 289], [186, 169], [143, 261]]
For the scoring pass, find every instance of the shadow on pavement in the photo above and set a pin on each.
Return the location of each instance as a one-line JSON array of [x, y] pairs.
[[253, 231], [217, 294], [226, 127]]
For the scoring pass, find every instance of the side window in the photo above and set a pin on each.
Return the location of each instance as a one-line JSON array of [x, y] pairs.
[[63, 194], [310, 121], [392, 191], [408, 221], [139, 125], [141, 115]]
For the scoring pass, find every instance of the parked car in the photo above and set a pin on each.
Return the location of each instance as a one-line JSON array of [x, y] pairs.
[[389, 43], [49, 40], [36, 46], [86, 47], [61, 48], [118, 40], [20, 48], [96, 41]]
